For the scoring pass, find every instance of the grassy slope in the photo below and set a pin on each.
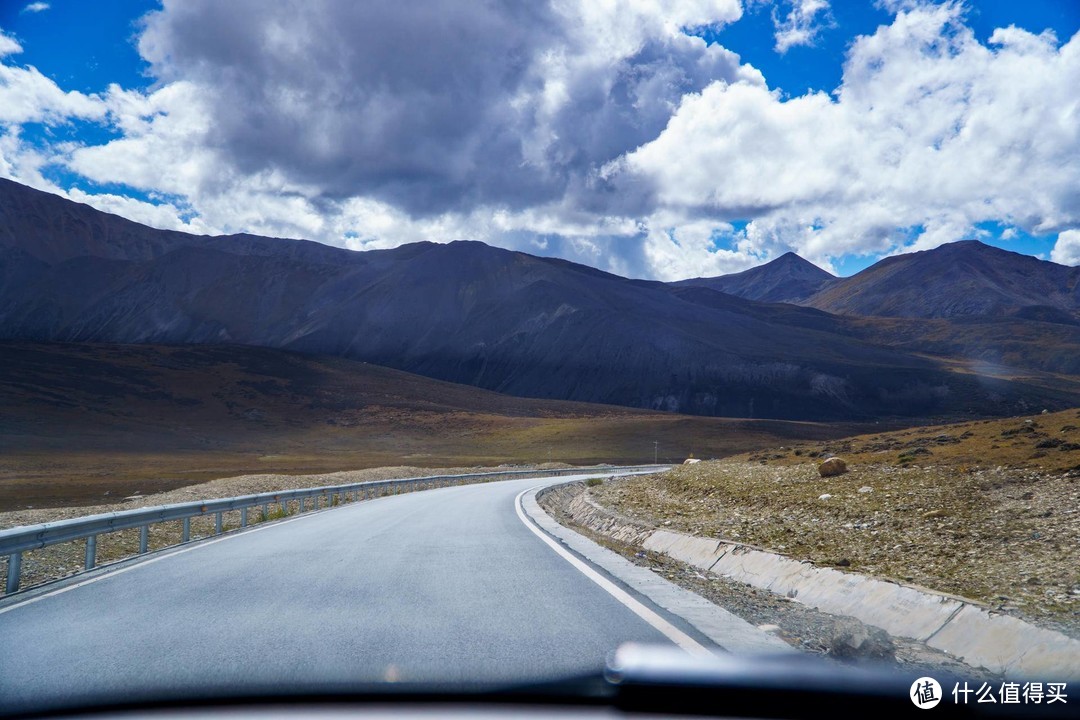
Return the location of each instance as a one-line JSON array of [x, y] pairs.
[[82, 423], [988, 510]]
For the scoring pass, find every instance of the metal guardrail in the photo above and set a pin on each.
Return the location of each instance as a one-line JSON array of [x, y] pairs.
[[15, 541]]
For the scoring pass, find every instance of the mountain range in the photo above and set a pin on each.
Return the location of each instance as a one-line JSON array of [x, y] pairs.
[[541, 327], [966, 279]]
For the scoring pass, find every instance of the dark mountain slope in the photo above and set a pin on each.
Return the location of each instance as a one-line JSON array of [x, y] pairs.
[[962, 279], [53, 229], [788, 278], [468, 313]]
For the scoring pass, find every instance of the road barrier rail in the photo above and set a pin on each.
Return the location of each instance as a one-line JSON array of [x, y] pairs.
[[15, 541]]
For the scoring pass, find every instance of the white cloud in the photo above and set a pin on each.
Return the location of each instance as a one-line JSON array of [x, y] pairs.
[[930, 131], [165, 215], [601, 132], [801, 25], [1067, 248], [9, 45], [28, 96], [36, 7], [165, 142]]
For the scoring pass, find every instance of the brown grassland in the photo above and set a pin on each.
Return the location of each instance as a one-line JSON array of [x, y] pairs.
[[988, 510], [92, 424]]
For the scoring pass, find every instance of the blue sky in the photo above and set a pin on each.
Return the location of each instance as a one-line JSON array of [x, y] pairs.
[[696, 160], [82, 45]]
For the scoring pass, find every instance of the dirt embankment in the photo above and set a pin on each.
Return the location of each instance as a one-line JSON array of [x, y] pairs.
[[988, 511]]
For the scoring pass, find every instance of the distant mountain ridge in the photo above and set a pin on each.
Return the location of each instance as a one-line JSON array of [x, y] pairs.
[[958, 280], [467, 313], [788, 278]]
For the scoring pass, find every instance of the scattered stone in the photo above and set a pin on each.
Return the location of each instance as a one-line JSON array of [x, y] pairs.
[[826, 496], [856, 641], [832, 467], [866, 489], [691, 461], [934, 514]]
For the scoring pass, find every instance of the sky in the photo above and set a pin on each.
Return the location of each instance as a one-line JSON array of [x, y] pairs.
[[656, 140]]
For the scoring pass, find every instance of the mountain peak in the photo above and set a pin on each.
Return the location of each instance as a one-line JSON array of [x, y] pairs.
[[788, 278], [792, 261], [968, 278]]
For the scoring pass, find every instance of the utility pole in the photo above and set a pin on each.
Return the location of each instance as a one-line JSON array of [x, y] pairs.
[[655, 450]]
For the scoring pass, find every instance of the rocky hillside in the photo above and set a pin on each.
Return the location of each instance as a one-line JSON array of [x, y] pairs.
[[466, 313], [788, 278], [959, 280]]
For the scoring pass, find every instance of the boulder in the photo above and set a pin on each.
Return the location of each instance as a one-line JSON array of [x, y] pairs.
[[690, 461], [854, 641], [831, 467]]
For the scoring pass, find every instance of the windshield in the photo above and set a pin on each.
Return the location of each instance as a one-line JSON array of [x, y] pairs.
[[462, 347]]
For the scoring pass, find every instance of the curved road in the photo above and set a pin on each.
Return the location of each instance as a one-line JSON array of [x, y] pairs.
[[441, 585]]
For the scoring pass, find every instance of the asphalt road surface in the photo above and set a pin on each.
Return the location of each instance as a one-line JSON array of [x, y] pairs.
[[442, 585]]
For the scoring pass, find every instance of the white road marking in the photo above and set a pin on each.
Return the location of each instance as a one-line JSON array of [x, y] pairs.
[[673, 633]]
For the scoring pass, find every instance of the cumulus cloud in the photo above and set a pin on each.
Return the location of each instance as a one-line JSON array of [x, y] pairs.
[[801, 24], [8, 45], [36, 7], [608, 133], [439, 105], [930, 133], [1067, 248], [28, 96]]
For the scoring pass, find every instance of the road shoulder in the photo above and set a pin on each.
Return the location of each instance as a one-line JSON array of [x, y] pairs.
[[724, 629]]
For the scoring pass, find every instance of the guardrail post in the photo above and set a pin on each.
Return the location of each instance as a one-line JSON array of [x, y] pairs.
[[217, 523], [301, 504], [243, 517], [13, 568], [185, 535], [144, 538], [91, 551], [266, 511]]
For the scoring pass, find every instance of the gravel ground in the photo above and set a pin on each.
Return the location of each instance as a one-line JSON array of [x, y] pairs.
[[58, 561], [841, 638], [1008, 538]]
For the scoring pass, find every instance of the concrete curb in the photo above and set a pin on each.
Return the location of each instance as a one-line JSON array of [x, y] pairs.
[[729, 632], [1000, 643]]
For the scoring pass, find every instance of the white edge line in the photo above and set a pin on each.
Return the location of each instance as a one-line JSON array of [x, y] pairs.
[[136, 564], [673, 633]]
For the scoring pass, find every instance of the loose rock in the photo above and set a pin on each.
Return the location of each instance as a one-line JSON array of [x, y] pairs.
[[856, 641], [832, 467]]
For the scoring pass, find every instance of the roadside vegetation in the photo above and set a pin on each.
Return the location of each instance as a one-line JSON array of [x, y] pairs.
[[987, 510]]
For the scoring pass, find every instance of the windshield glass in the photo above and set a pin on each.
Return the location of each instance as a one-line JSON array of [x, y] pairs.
[[394, 346]]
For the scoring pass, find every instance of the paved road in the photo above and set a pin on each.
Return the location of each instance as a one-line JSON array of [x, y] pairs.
[[446, 584]]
